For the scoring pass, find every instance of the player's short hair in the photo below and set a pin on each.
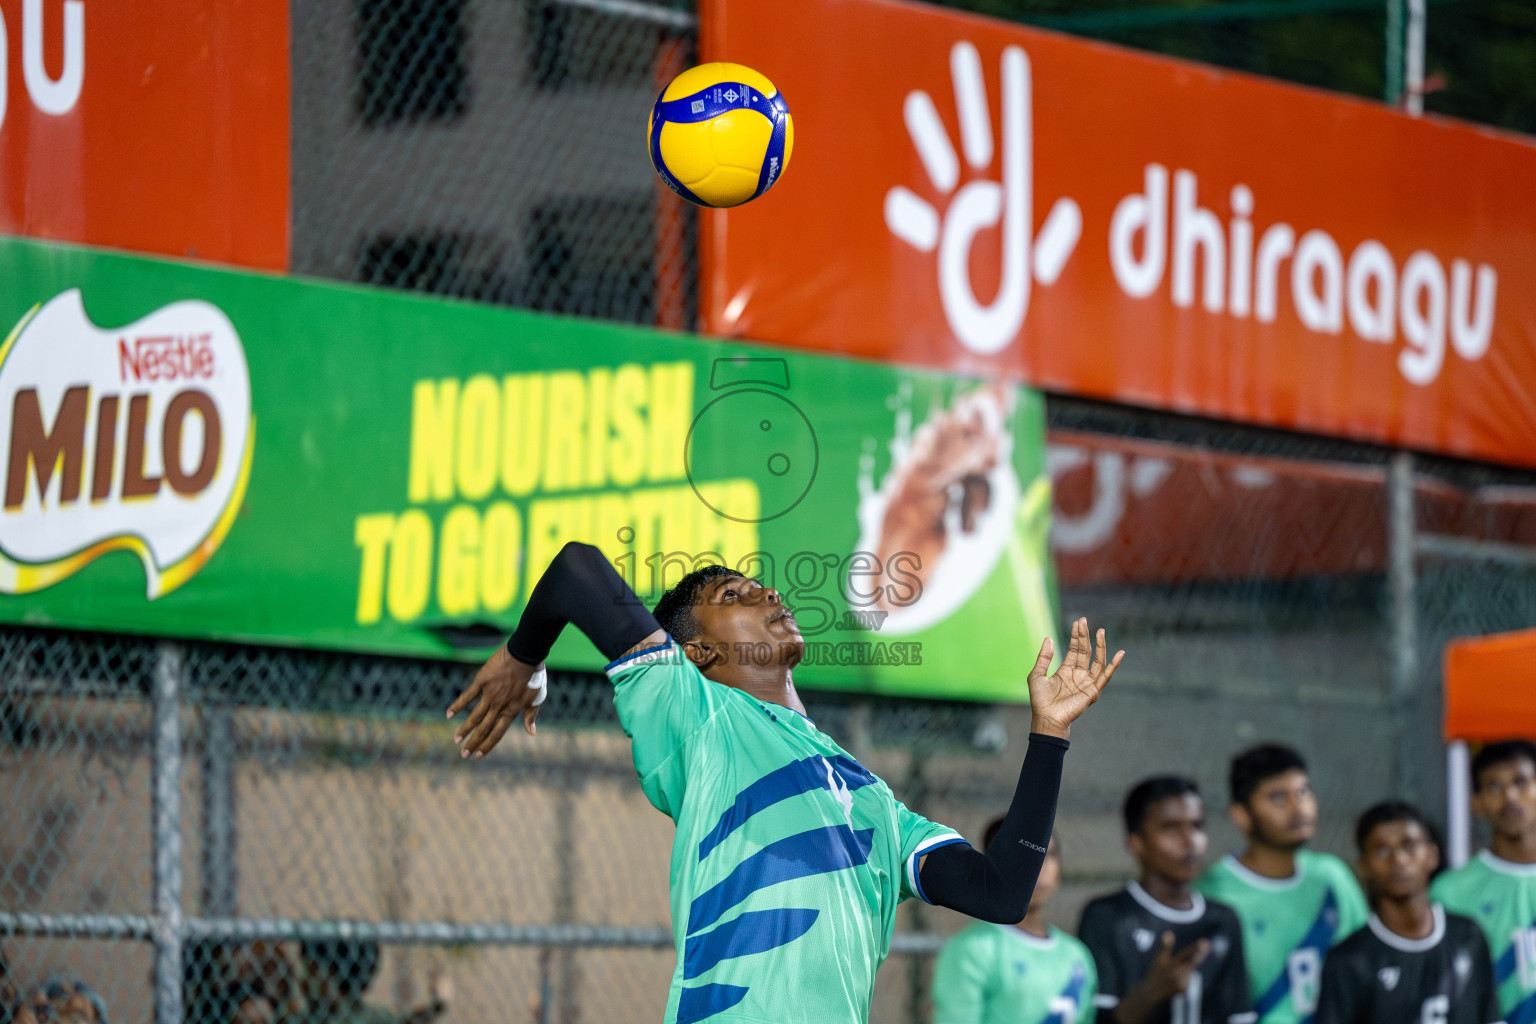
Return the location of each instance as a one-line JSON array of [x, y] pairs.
[[1389, 812], [989, 836], [674, 612], [1499, 753], [1150, 791], [1257, 765]]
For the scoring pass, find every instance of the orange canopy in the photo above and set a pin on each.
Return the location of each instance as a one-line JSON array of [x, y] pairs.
[[1490, 687]]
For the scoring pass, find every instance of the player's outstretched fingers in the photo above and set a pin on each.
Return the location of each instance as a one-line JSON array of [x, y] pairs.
[[464, 699], [1077, 650], [1043, 662], [498, 729], [464, 734], [1109, 670]]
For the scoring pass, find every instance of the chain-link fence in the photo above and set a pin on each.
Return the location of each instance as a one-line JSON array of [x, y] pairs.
[[215, 833], [211, 833], [490, 149]]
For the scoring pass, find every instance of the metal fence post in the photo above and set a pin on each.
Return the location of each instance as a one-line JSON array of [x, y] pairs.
[[218, 811], [166, 787], [1401, 580], [1394, 51], [915, 796], [1413, 57]]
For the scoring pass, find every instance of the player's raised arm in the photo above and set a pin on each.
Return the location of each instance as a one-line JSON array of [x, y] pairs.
[[580, 587], [996, 886]]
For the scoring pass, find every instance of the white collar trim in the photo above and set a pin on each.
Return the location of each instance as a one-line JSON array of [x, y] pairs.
[[1406, 945], [1507, 867], [1158, 908], [1033, 941], [1258, 881]]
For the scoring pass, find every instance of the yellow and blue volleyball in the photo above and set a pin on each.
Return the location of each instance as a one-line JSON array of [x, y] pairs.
[[720, 135]]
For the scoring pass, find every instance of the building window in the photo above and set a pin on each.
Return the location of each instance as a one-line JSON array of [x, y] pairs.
[[570, 45], [592, 257], [410, 60], [438, 263]]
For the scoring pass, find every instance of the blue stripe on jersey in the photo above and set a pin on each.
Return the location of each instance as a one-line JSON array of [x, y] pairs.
[[791, 780], [1523, 1013], [707, 1000], [756, 931], [810, 853], [1074, 992], [1318, 937], [1505, 968]]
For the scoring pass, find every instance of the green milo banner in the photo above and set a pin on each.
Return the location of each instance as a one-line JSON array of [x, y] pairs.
[[208, 454]]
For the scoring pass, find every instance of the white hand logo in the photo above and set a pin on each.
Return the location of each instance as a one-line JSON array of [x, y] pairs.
[[980, 204]]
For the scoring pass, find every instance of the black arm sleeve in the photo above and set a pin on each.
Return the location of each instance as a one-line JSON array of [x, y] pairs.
[[582, 588], [996, 886]]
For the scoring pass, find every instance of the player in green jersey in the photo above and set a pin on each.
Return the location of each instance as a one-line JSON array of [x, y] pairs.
[[790, 857], [1028, 973], [1294, 904], [1497, 888]]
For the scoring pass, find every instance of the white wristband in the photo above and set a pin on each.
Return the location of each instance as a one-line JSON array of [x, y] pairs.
[[539, 681]]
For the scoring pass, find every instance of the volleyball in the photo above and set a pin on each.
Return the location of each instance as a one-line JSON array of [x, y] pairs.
[[720, 135]]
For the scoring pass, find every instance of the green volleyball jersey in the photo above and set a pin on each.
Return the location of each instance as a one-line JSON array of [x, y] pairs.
[[790, 856], [1500, 896], [1000, 974], [1289, 924]]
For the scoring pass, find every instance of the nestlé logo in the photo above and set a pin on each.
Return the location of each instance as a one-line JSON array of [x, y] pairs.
[[137, 438]]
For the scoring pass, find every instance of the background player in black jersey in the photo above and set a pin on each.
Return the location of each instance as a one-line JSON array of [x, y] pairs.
[[1165, 954], [1412, 963]]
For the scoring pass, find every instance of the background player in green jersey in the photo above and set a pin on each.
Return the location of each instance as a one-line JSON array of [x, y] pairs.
[[1294, 904], [1166, 954], [1497, 888], [790, 857], [1029, 973], [1413, 963]]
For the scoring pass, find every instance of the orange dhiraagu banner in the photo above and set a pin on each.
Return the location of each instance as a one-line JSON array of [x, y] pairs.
[[988, 198], [160, 127]]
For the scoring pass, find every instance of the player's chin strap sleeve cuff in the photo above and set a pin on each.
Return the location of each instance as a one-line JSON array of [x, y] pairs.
[[996, 886], [581, 587]]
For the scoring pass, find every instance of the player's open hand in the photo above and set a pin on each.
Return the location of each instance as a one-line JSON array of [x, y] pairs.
[[1057, 700], [1172, 969], [1169, 975], [503, 690]]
